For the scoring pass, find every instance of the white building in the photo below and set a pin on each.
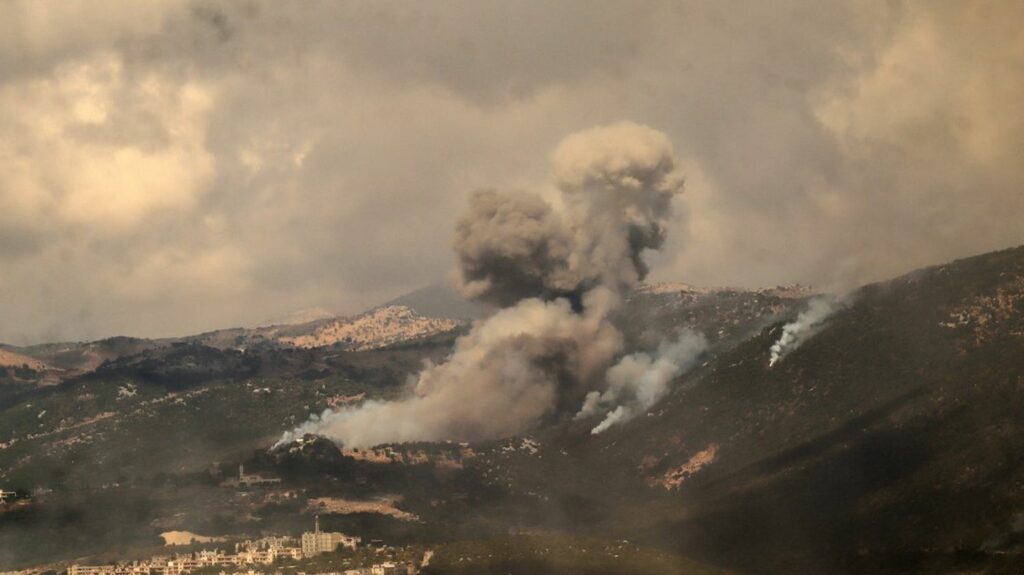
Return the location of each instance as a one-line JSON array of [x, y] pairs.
[[249, 479], [316, 541]]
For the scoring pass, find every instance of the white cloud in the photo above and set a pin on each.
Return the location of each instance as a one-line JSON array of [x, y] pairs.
[[61, 143]]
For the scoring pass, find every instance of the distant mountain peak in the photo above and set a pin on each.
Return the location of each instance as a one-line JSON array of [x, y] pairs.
[[440, 300], [299, 317]]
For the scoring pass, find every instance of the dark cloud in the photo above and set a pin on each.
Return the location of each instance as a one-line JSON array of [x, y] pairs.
[[198, 164], [510, 246]]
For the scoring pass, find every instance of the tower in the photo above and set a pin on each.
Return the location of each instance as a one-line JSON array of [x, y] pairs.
[[316, 525]]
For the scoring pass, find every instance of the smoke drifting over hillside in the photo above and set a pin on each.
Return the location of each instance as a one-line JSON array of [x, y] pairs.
[[639, 380], [557, 268], [806, 324]]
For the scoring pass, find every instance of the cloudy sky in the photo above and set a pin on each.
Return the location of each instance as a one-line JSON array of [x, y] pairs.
[[171, 166]]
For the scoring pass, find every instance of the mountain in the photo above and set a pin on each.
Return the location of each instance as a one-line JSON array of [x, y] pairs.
[[299, 317], [440, 300], [377, 328], [79, 357], [374, 329], [890, 441], [182, 412]]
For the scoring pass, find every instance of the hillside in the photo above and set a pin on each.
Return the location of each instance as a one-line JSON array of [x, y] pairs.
[[11, 359], [558, 555], [889, 442], [19, 370], [182, 412], [377, 328], [439, 300]]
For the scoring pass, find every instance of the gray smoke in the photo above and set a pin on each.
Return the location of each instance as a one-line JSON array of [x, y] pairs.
[[640, 380], [614, 188], [806, 324], [556, 268], [512, 245]]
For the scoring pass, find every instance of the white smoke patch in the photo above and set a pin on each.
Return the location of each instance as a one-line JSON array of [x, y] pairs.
[[557, 268], [639, 380], [806, 324]]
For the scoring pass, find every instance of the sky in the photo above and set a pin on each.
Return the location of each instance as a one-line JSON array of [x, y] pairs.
[[169, 167]]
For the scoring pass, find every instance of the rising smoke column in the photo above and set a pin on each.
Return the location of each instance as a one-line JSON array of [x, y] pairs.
[[512, 245], [556, 268], [806, 324], [506, 375], [639, 380]]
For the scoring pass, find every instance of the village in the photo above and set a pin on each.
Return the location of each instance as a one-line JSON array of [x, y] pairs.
[[313, 552], [267, 555]]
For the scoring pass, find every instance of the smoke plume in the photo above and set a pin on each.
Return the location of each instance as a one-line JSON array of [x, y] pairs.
[[806, 324], [556, 268], [614, 187], [640, 380], [512, 245]]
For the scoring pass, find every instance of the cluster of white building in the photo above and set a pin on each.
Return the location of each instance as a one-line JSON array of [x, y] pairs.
[[249, 553], [176, 565]]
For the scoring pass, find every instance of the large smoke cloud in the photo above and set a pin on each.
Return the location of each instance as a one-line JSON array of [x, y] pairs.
[[556, 268], [615, 185], [512, 245]]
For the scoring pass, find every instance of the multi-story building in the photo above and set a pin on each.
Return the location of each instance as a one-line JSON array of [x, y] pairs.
[[316, 542]]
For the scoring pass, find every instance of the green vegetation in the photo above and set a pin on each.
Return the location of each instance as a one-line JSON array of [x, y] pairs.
[[561, 555]]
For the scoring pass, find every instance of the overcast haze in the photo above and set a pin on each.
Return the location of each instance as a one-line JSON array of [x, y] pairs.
[[170, 167]]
